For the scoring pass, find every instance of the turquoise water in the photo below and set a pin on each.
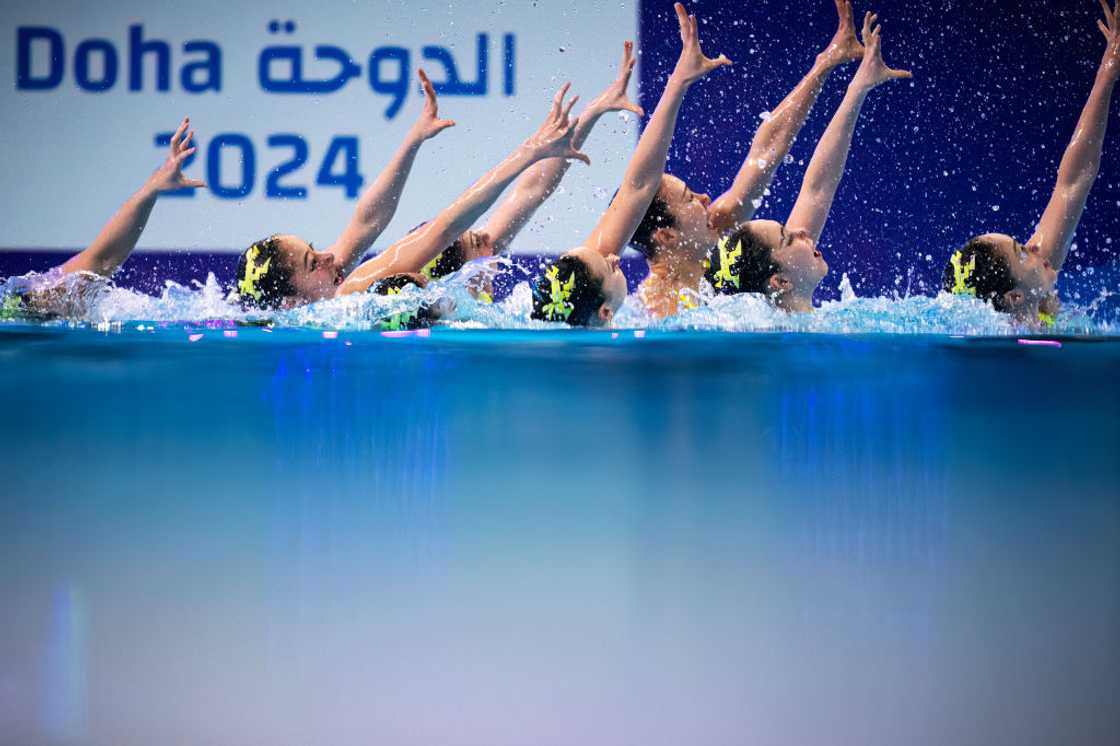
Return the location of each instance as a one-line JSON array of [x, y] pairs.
[[286, 537]]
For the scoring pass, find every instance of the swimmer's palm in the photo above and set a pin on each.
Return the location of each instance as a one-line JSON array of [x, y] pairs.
[[1110, 27], [169, 176], [692, 64], [873, 71], [554, 138], [615, 98], [845, 46]]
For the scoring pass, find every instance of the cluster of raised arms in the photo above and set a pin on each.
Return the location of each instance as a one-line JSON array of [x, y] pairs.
[[693, 245]]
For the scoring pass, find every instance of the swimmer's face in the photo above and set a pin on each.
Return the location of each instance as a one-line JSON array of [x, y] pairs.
[[1034, 278], [314, 274], [606, 270], [802, 264], [691, 234]]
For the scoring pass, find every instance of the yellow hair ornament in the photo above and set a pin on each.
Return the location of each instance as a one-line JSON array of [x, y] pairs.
[[961, 273], [687, 300], [430, 266], [1047, 319], [248, 284], [558, 308], [726, 259]]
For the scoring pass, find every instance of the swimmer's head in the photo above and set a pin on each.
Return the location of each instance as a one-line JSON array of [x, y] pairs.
[[764, 257], [424, 315], [468, 246], [284, 271], [676, 223], [582, 288], [997, 269]]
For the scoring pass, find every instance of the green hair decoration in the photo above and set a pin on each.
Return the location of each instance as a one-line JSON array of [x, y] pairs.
[[961, 273], [12, 307], [398, 321], [558, 307], [726, 259], [247, 285]]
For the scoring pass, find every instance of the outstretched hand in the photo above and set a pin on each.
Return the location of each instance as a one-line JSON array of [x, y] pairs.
[[844, 47], [1110, 27], [692, 64], [428, 125], [554, 138], [169, 176], [873, 71], [614, 97]]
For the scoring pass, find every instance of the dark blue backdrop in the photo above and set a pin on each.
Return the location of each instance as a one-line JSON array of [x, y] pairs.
[[998, 86]]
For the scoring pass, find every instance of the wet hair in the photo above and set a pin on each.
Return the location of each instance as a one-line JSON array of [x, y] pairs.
[[421, 318], [263, 279], [741, 263], [449, 260], [567, 291], [990, 277], [657, 216]]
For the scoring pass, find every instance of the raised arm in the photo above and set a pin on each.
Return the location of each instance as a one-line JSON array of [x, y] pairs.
[[539, 182], [552, 140], [643, 175], [119, 236], [378, 204], [826, 168], [775, 136], [1082, 159]]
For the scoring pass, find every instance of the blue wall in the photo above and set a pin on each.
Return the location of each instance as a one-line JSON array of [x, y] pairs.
[[998, 86]]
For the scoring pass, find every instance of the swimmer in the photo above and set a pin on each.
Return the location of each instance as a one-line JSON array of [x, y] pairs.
[[534, 186], [283, 270], [585, 287], [681, 227], [48, 296], [1020, 280], [783, 262]]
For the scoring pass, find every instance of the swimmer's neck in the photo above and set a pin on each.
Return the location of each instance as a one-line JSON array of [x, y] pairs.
[[676, 272], [793, 303]]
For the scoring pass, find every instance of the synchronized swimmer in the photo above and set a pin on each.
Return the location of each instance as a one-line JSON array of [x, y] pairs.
[[694, 247]]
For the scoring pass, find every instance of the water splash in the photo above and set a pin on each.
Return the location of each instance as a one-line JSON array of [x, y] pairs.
[[84, 299]]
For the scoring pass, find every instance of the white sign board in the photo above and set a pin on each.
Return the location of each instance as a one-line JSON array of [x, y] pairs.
[[297, 107]]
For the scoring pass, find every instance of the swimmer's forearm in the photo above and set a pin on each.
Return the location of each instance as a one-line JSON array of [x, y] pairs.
[[643, 175], [1076, 174], [118, 237], [826, 168], [377, 205], [769, 148]]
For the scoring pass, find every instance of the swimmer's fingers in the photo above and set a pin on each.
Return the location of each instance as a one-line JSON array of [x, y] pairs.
[[429, 91], [627, 64], [1104, 30], [558, 101], [193, 184], [568, 110], [186, 142], [900, 74], [868, 22], [577, 155], [717, 62], [683, 22], [1109, 13], [175, 138]]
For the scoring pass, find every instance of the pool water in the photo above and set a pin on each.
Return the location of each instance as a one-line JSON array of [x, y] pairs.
[[229, 535]]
